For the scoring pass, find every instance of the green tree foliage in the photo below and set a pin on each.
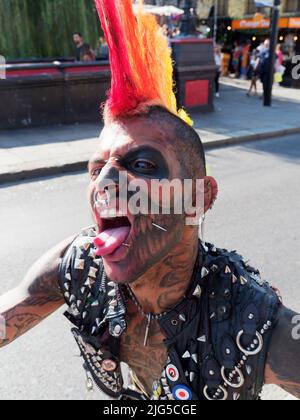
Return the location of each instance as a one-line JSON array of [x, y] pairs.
[[44, 28]]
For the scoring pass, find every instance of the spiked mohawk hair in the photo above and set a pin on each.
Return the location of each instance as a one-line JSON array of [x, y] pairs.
[[141, 64]]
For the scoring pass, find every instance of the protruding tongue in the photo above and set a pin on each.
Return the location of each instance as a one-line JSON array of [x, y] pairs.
[[110, 240]]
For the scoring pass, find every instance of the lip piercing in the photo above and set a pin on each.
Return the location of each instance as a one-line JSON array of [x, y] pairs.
[[127, 246], [159, 227]]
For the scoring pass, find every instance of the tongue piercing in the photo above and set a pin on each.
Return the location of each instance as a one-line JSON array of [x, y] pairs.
[[159, 227]]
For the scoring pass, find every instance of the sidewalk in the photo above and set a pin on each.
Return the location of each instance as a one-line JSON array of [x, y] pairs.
[[29, 153]]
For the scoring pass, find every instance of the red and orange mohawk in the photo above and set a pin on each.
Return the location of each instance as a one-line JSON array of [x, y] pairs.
[[141, 64]]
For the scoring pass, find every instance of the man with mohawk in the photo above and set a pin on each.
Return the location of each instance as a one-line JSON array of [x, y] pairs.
[[192, 321]]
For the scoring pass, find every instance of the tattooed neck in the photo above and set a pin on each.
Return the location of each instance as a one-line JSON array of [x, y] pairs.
[[164, 285]]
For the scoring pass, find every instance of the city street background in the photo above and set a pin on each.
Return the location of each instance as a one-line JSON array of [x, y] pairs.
[[257, 213]]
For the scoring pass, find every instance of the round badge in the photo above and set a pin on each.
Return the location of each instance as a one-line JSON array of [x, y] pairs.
[[182, 393], [109, 365], [172, 373]]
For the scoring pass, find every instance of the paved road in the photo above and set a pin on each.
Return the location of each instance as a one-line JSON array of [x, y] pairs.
[[257, 213]]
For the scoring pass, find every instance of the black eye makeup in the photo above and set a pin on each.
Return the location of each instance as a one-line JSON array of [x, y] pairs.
[[146, 162]]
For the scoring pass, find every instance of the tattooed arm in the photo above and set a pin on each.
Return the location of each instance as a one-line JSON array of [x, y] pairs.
[[37, 297], [283, 366]]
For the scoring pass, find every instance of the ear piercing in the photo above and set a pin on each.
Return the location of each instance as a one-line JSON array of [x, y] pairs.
[[159, 227]]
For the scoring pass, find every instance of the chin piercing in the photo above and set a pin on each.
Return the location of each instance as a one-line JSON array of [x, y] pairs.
[[159, 227]]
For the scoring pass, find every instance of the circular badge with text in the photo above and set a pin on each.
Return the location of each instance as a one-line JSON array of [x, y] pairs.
[[172, 373], [182, 393]]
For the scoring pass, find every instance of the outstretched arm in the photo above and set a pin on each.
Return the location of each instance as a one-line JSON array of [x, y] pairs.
[[283, 366], [37, 297]]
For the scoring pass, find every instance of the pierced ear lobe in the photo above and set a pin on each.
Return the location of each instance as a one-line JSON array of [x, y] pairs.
[[210, 192]]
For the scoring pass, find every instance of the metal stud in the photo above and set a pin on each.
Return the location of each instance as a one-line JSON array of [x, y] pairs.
[[67, 286], [202, 339], [79, 302], [212, 372], [228, 351], [192, 376], [195, 357], [249, 369], [93, 272], [236, 396], [227, 270], [84, 315], [72, 299], [186, 355], [243, 280], [111, 284], [182, 317], [79, 264], [234, 279], [251, 316], [214, 268], [112, 293], [67, 295], [82, 290], [204, 272], [197, 292], [68, 276], [95, 303]]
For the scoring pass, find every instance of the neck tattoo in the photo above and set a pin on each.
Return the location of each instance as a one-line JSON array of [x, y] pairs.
[[149, 317]]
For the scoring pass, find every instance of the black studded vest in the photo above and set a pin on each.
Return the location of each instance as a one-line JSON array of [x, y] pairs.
[[217, 337]]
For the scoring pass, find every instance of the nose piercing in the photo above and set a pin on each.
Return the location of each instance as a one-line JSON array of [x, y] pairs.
[[159, 227]]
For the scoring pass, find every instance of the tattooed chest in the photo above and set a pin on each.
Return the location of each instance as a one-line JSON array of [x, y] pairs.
[[147, 362]]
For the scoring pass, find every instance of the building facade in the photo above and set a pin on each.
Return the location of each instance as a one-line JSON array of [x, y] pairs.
[[244, 8]]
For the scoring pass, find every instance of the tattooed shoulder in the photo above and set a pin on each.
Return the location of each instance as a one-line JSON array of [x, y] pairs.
[[283, 365]]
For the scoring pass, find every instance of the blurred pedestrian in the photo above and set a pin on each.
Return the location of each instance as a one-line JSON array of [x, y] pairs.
[[83, 51], [102, 51], [218, 60], [265, 66], [254, 71], [237, 58]]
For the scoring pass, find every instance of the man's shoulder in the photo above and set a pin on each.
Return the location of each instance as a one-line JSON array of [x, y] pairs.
[[237, 286]]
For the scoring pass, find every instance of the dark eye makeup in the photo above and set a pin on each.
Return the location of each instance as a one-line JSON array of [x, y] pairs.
[[146, 162]]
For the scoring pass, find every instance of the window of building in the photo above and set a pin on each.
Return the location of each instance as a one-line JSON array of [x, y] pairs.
[[292, 6]]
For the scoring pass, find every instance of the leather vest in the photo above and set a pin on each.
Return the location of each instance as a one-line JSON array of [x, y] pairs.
[[217, 337]]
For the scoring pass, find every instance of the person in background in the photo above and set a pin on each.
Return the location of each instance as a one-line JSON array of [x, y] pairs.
[[218, 60], [236, 62], [83, 51], [245, 58], [253, 72], [264, 65], [102, 51], [279, 55]]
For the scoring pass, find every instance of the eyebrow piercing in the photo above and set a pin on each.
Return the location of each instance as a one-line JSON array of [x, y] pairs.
[[159, 227]]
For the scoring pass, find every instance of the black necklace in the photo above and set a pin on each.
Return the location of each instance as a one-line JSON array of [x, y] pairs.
[[149, 317]]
